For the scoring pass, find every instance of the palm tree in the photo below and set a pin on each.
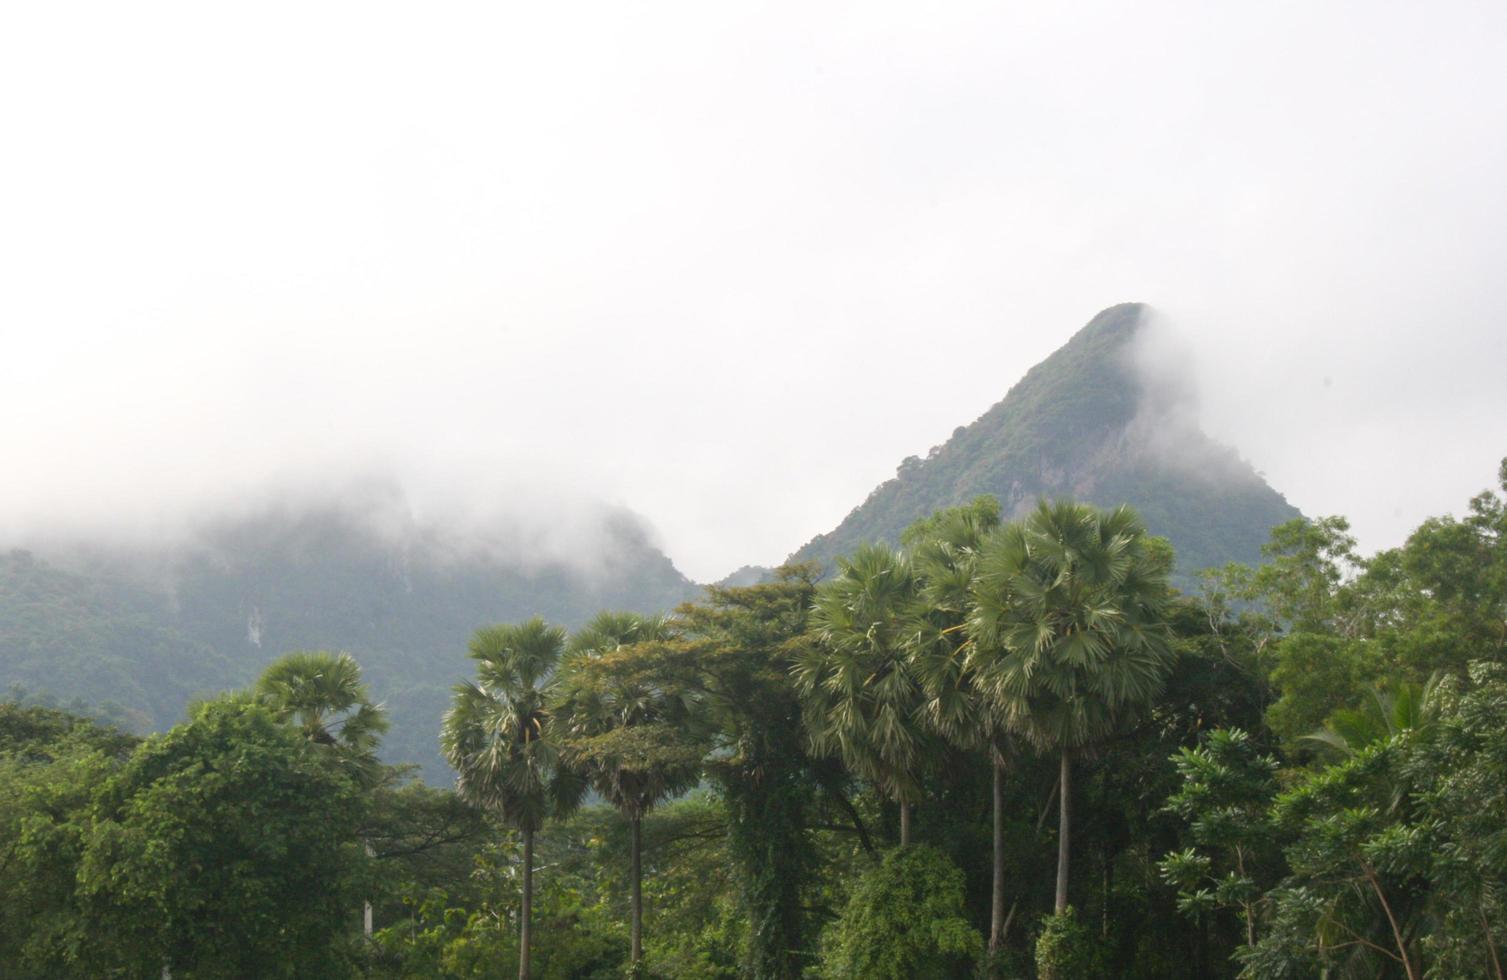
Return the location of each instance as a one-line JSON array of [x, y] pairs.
[[860, 696], [628, 730], [611, 630], [322, 693], [499, 736], [944, 549], [1068, 632], [1390, 711]]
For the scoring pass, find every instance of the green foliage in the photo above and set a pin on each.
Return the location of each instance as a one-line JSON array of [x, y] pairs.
[[421, 838], [33, 733], [1068, 627], [322, 694], [106, 647], [224, 848], [135, 634], [1318, 674], [743, 642], [45, 792], [500, 734], [945, 550], [623, 726], [630, 728], [862, 699], [1345, 628], [905, 919], [1228, 787], [439, 940], [467, 927], [1459, 770], [232, 846], [1390, 710], [1067, 950]]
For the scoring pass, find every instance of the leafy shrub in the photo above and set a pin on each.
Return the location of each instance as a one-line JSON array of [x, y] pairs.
[[1068, 950], [905, 919]]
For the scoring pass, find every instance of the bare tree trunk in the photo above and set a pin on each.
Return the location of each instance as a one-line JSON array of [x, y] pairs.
[[1064, 829], [1402, 947], [997, 901], [904, 824], [636, 895], [366, 907], [526, 914]]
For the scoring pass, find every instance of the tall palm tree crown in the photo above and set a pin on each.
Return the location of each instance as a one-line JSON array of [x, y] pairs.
[[624, 725], [1067, 627], [498, 734], [322, 693], [861, 697], [614, 629], [944, 552]]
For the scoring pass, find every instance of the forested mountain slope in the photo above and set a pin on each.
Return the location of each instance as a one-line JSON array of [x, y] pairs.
[[1093, 423], [137, 632]]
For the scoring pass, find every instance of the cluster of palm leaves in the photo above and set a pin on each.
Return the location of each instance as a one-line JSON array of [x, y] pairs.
[[549, 717], [1038, 635], [1043, 634], [322, 694]]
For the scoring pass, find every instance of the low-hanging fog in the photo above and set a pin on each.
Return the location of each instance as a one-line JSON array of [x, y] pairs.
[[726, 266]]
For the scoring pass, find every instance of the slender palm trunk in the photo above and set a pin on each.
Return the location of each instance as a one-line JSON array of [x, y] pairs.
[[997, 906], [366, 906], [636, 895], [526, 914], [904, 824], [1064, 828]]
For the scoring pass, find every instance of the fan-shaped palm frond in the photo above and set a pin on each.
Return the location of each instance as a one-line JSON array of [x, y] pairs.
[[499, 734], [861, 695], [322, 693]]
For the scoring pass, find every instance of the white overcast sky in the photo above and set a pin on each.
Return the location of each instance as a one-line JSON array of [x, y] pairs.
[[726, 264]]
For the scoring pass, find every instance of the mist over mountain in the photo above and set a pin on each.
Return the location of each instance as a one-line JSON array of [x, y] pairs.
[[1109, 418], [136, 625], [136, 630]]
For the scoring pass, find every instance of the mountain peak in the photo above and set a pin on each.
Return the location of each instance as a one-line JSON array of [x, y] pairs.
[[1101, 420], [1117, 323]]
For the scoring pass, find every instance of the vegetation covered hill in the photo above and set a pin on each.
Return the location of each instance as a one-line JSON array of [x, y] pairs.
[[1006, 751], [138, 646], [1089, 423], [107, 644]]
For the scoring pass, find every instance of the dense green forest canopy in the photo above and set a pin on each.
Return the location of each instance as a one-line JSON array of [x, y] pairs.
[[1007, 748]]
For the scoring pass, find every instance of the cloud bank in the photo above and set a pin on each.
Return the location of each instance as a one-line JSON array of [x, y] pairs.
[[727, 266]]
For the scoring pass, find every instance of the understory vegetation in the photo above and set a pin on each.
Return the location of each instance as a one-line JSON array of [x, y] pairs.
[[1004, 749]]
